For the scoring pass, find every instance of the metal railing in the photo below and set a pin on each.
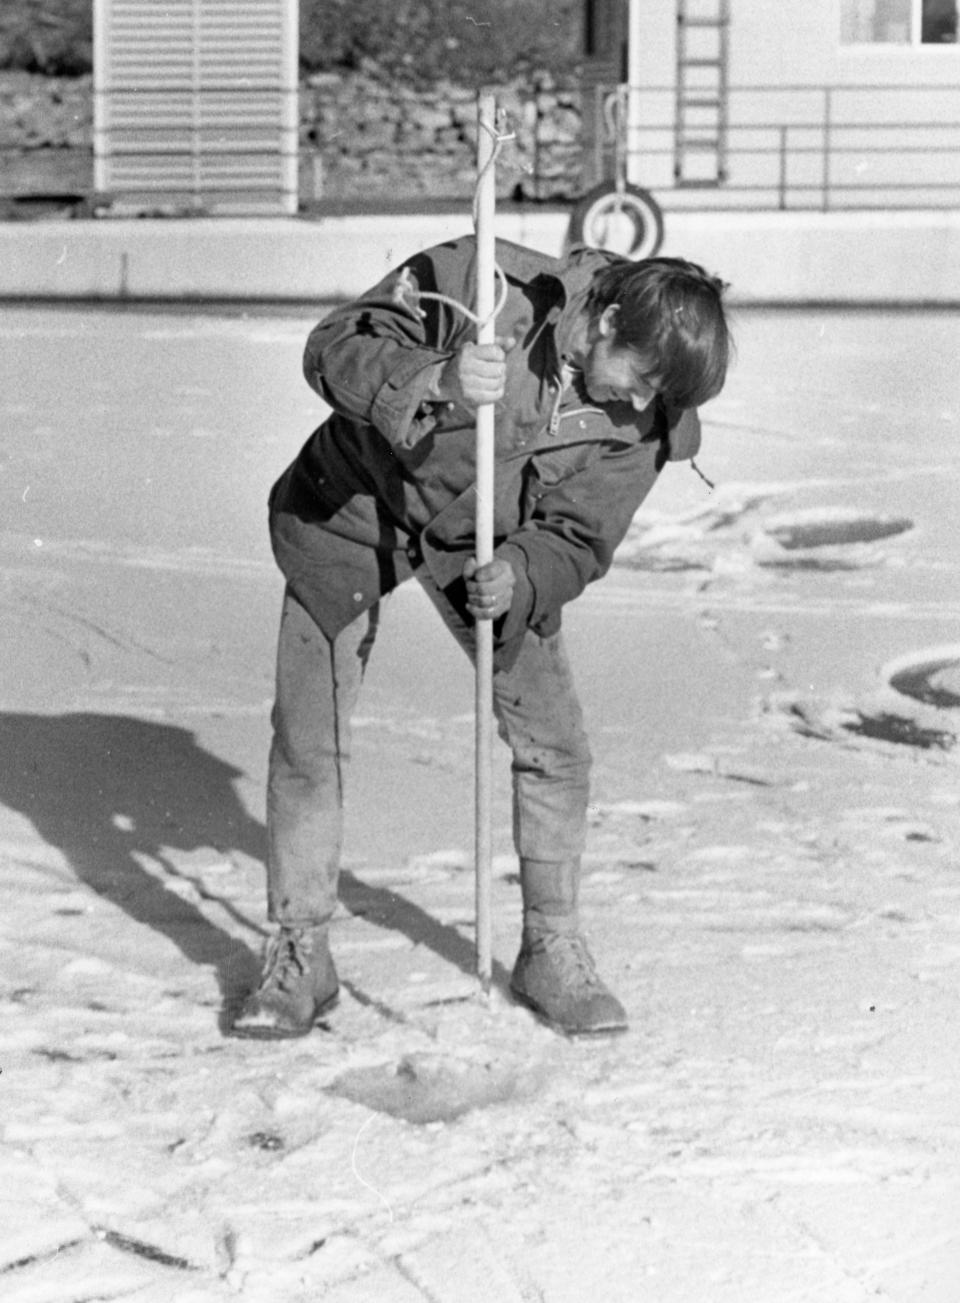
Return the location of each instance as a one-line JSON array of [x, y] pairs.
[[800, 147], [793, 147]]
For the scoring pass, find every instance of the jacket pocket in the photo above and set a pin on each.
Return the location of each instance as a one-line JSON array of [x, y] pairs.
[[558, 464]]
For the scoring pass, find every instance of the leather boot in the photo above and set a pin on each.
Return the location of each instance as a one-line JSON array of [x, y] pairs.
[[555, 975], [298, 986]]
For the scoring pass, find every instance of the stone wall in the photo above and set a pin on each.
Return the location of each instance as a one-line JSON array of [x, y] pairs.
[[360, 138], [46, 131]]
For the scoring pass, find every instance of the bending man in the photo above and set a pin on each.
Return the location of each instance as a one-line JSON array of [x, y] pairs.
[[599, 369]]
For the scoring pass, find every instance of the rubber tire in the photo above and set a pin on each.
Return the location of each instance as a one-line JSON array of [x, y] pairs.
[[639, 231]]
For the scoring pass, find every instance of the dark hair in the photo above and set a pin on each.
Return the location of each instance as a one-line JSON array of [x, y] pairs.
[[672, 311]]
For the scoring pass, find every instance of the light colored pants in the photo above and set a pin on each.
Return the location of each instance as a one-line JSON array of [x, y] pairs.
[[318, 683]]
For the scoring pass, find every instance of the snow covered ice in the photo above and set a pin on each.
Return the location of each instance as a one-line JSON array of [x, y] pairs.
[[772, 883]]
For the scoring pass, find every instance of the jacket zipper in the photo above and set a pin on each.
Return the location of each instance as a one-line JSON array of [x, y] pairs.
[[556, 417], [554, 425]]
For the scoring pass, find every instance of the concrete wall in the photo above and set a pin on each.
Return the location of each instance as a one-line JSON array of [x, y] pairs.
[[908, 258]]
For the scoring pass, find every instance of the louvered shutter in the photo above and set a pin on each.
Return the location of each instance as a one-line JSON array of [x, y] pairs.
[[196, 105]]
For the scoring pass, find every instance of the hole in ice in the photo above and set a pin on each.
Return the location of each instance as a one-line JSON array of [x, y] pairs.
[[931, 677], [424, 1088], [825, 527]]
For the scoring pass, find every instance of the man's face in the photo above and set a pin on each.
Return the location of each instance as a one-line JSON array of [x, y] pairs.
[[617, 375]]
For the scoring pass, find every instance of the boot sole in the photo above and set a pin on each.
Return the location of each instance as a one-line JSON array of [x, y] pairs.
[[572, 1033], [265, 1032]]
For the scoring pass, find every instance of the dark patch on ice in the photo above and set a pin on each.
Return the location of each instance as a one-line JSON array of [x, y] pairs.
[[424, 1088], [140, 1249], [824, 565], [660, 564], [63, 1056], [831, 533], [920, 837], [906, 732], [801, 722], [921, 683], [642, 866], [387, 909], [34, 1258], [111, 792], [367, 1002], [266, 1140], [811, 925], [746, 778]]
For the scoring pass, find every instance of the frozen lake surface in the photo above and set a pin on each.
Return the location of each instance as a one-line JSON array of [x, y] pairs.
[[771, 684]]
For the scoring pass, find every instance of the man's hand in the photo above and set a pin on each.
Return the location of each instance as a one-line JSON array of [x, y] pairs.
[[475, 376], [489, 588]]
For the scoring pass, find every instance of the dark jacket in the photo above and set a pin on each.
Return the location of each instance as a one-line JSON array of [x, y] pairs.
[[387, 482]]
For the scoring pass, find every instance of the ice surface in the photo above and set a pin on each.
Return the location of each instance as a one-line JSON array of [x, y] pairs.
[[770, 881]]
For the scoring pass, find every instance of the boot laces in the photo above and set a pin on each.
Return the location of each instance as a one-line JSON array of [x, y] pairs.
[[572, 957], [287, 959]]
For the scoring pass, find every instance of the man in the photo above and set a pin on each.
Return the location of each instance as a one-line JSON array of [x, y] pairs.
[[598, 369]]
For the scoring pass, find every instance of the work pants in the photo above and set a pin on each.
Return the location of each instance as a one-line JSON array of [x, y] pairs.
[[318, 684]]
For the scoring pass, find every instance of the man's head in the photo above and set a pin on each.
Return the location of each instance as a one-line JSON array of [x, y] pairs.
[[656, 327]]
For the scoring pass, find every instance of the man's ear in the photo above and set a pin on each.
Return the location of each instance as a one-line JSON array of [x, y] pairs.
[[607, 322]]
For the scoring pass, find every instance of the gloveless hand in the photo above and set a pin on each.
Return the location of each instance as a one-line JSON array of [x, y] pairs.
[[476, 375], [489, 588]]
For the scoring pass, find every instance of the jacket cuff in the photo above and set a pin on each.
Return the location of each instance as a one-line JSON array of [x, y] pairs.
[[398, 402], [517, 619]]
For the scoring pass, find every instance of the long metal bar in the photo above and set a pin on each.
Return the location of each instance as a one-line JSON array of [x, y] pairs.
[[486, 334], [843, 127], [827, 126], [100, 92]]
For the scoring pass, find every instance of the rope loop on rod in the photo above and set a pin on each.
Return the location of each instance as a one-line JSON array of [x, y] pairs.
[[404, 292]]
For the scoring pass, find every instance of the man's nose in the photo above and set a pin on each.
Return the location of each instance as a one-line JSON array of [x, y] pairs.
[[641, 402]]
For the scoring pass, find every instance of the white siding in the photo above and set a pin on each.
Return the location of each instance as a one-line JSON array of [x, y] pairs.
[[811, 122], [196, 105]]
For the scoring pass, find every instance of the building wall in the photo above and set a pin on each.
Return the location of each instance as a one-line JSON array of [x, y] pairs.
[[878, 125], [778, 42]]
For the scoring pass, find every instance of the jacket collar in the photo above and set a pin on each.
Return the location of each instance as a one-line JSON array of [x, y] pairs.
[[566, 283], [569, 280], [575, 274]]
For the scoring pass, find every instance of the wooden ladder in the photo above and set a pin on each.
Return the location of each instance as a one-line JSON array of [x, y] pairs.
[[700, 141]]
